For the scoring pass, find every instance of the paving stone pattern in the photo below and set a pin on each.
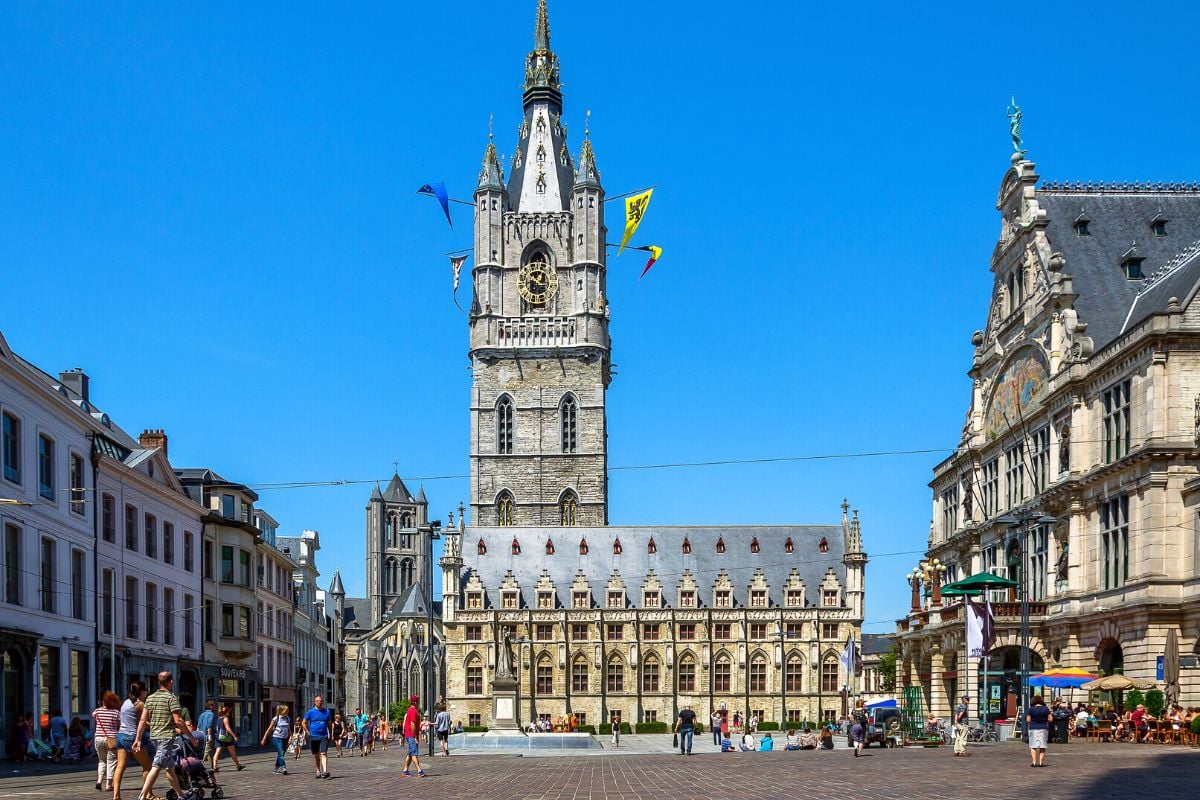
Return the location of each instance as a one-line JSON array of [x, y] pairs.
[[997, 772]]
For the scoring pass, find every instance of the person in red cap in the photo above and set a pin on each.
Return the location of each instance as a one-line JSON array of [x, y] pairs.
[[411, 730]]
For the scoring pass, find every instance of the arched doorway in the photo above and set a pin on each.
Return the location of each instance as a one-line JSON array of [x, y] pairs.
[[1003, 679], [1112, 658]]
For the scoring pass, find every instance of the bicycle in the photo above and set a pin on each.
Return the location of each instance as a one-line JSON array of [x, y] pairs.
[[983, 733]]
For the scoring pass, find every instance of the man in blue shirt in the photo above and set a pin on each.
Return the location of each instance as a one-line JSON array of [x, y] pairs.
[[205, 724], [361, 721], [316, 727]]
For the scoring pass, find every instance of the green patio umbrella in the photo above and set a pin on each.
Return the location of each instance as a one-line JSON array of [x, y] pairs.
[[953, 590], [983, 580]]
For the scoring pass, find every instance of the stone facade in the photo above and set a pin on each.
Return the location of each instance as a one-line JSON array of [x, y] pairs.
[[1077, 471], [609, 621], [539, 322], [642, 621]]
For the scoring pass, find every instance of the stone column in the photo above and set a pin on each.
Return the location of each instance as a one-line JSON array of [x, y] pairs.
[[937, 681]]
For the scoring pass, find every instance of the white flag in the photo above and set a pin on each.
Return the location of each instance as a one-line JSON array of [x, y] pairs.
[[976, 618]]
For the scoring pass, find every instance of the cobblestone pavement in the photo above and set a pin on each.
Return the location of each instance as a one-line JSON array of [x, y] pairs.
[[997, 772]]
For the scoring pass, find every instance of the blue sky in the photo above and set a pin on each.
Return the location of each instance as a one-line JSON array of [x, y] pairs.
[[210, 209]]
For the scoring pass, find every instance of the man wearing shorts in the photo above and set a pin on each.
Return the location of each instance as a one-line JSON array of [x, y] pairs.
[[162, 716], [441, 724], [316, 727], [411, 730]]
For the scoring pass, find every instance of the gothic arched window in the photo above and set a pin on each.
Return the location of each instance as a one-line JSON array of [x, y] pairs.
[[824, 545], [568, 508], [504, 509], [754, 548], [651, 547], [720, 544], [788, 547], [504, 425], [390, 530], [568, 415], [389, 576], [406, 574], [406, 542], [406, 520]]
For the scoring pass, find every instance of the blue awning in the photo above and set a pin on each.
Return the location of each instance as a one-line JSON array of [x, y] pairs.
[[883, 704]]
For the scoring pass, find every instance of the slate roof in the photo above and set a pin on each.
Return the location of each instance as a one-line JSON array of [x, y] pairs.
[[1179, 279], [335, 587], [1118, 217], [396, 491], [412, 603], [668, 562], [357, 614]]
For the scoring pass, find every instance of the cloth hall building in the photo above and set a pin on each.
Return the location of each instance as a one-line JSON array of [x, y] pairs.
[[1077, 469], [628, 621]]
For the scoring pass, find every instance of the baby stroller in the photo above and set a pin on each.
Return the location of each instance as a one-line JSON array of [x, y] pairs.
[[194, 774], [40, 751]]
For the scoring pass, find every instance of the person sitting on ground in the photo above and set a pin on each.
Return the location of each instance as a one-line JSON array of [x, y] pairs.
[[792, 742], [727, 746], [826, 738], [748, 744], [767, 744], [808, 739]]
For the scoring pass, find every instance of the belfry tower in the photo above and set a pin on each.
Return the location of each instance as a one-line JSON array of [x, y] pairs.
[[540, 349]]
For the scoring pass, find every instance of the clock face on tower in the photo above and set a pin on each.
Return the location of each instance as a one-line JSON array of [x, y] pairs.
[[537, 282]]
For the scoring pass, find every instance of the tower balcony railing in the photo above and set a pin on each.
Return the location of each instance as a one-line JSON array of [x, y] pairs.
[[535, 332]]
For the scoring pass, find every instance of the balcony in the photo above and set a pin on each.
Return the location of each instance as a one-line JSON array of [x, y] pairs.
[[535, 331]]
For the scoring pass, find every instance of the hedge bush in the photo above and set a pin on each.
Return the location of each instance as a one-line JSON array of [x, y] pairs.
[[1196, 726], [768, 726], [1156, 702], [651, 727], [586, 729], [475, 729]]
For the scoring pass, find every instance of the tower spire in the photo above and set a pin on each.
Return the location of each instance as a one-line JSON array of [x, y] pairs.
[[541, 65], [491, 176], [541, 29], [586, 173]]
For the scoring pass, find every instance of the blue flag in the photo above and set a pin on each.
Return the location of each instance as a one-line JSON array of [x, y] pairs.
[[438, 190]]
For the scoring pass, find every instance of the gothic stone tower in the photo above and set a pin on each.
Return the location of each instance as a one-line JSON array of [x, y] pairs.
[[539, 324], [396, 552]]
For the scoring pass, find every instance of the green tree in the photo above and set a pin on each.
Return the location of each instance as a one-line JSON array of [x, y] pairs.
[[887, 669], [1134, 698]]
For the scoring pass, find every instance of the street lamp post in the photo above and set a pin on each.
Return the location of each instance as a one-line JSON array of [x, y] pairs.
[[433, 531], [1019, 521]]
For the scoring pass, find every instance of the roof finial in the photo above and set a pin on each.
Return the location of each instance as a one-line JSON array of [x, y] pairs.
[[541, 29], [491, 131], [587, 121]]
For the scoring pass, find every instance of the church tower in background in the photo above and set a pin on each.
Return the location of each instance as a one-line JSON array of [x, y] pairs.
[[540, 349]]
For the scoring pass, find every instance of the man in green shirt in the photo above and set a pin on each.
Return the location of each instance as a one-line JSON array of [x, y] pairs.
[[162, 716]]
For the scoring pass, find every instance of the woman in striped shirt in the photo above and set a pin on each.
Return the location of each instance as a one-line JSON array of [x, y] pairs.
[[107, 724]]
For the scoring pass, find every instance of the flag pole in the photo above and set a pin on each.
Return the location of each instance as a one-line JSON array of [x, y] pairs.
[[630, 194]]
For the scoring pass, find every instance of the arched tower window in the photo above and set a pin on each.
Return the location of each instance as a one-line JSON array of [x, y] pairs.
[[568, 415], [389, 576], [390, 530], [406, 520], [504, 425], [568, 508], [406, 541], [504, 509], [406, 574]]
